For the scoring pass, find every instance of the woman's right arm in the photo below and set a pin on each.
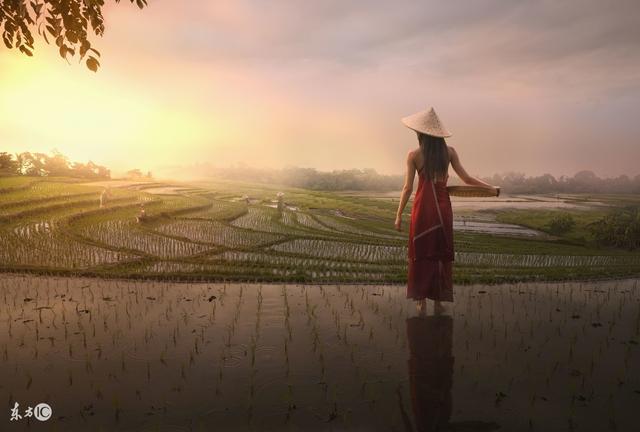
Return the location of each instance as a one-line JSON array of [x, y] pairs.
[[464, 176], [407, 189]]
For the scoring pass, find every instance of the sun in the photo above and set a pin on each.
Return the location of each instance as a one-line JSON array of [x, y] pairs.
[[47, 104]]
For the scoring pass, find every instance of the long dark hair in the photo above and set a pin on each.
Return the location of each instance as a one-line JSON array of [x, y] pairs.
[[435, 155]]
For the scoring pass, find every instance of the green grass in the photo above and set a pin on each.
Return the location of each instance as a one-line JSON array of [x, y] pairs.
[[471, 242], [205, 231], [8, 183], [541, 219]]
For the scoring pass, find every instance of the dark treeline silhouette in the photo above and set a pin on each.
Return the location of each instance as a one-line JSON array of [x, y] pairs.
[[56, 164]]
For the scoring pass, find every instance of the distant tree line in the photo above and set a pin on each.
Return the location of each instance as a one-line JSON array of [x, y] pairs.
[[56, 164], [310, 178], [136, 174], [369, 179], [581, 182]]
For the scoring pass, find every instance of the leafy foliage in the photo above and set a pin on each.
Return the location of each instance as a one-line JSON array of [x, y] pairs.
[[562, 224], [68, 23], [7, 164], [42, 165], [619, 229]]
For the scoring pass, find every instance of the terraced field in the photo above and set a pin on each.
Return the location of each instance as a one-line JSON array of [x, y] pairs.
[[205, 344], [234, 231]]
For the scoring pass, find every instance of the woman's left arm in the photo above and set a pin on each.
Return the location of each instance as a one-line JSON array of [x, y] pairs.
[[407, 189]]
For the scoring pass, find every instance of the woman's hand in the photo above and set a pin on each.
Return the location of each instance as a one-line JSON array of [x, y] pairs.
[[407, 190]]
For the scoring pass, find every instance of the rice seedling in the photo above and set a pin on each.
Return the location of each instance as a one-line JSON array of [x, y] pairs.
[[349, 333]]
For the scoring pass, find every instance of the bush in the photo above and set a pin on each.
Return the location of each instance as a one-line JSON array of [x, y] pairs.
[[620, 229], [561, 224]]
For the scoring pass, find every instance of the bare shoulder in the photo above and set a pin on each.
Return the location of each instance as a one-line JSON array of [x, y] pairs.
[[415, 156], [411, 155], [452, 152]]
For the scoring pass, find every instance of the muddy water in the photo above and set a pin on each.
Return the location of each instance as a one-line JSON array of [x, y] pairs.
[[521, 202], [505, 201], [495, 228], [136, 356]]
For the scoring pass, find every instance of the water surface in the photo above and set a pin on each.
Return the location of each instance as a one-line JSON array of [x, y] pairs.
[[136, 356]]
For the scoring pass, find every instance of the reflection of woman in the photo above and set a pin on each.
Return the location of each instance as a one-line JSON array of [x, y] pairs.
[[431, 230], [431, 370]]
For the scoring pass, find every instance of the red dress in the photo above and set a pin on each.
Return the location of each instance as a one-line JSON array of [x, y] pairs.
[[430, 276]]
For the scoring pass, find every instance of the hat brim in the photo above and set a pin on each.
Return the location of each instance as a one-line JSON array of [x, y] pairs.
[[411, 124]]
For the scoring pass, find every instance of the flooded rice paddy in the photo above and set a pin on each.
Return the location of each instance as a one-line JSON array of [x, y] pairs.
[[505, 201], [496, 228], [138, 356]]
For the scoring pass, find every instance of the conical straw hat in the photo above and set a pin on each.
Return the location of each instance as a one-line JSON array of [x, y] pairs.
[[426, 122]]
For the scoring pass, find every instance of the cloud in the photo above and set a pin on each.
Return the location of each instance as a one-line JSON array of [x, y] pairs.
[[533, 86], [521, 40]]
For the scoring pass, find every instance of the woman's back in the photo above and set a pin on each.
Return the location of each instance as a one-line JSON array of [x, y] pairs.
[[430, 256], [419, 162]]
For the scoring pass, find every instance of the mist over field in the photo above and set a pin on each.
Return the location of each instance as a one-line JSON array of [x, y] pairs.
[[369, 179], [40, 165]]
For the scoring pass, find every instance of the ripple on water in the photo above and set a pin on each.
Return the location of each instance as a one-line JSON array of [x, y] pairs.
[[235, 355]]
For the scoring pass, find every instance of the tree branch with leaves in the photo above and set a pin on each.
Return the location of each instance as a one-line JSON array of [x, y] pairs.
[[67, 23]]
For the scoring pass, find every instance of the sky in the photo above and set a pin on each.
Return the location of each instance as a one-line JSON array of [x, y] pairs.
[[534, 87]]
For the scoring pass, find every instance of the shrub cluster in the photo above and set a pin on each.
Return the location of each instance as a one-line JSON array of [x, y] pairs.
[[619, 229], [561, 224]]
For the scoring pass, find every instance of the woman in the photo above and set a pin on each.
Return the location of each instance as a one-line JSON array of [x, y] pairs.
[[431, 229]]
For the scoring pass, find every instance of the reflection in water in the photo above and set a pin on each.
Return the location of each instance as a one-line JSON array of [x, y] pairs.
[[146, 355], [431, 376], [431, 370]]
